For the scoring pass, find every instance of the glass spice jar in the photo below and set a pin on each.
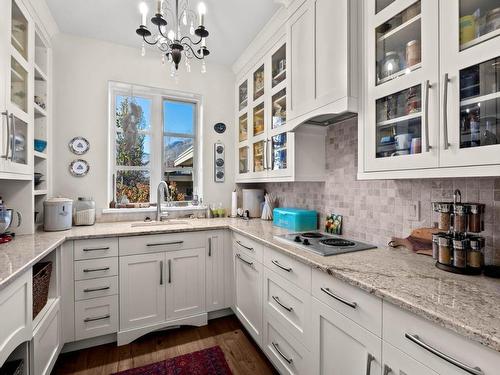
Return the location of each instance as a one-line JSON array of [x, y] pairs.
[[476, 217], [445, 246], [444, 210], [475, 255], [460, 216], [435, 244], [460, 249]]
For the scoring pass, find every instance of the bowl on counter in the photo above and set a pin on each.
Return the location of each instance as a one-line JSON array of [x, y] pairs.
[[40, 145]]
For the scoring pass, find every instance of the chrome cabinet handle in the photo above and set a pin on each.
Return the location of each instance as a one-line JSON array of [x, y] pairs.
[[244, 261], [387, 370], [427, 86], [170, 271], [445, 112], [93, 319], [245, 247], [209, 246], [471, 370], [164, 243], [289, 309], [161, 272], [338, 298], [89, 290], [277, 264], [369, 359], [96, 269], [268, 155], [7, 146], [13, 144], [277, 348], [96, 248]]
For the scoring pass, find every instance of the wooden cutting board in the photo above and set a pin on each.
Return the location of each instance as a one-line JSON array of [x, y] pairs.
[[419, 241]]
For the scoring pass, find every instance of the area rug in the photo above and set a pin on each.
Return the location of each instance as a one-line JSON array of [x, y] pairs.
[[209, 361]]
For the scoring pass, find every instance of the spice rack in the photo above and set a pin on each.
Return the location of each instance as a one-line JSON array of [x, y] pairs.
[[459, 248]]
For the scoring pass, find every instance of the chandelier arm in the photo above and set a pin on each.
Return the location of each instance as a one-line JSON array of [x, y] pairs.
[[193, 52], [148, 42], [190, 40], [161, 33]]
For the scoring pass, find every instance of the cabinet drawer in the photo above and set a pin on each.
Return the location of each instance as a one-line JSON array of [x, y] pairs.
[[289, 304], [361, 307], [96, 248], [96, 317], [397, 362], [156, 243], [286, 352], [93, 288], [248, 247], [291, 269], [94, 268], [401, 327], [47, 341]]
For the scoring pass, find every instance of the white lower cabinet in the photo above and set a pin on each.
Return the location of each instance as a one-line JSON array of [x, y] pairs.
[[96, 317], [185, 292], [47, 341], [142, 290], [215, 272], [395, 362], [340, 346], [248, 276]]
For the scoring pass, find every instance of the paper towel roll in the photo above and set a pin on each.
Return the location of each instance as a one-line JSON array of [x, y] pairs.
[[234, 203]]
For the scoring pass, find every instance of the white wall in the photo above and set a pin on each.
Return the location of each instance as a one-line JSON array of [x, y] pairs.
[[82, 69]]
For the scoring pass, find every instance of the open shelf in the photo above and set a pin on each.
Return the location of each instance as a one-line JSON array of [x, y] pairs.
[[39, 155], [40, 192], [39, 111], [39, 74]]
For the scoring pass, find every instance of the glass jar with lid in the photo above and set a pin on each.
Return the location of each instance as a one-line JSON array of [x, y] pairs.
[[460, 249], [460, 217], [475, 257], [84, 211], [445, 250], [476, 217], [444, 210]]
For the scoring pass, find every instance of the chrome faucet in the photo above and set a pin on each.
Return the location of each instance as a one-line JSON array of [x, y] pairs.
[[162, 186]]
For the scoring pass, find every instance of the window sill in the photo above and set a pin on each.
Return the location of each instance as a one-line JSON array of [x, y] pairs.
[[151, 209]]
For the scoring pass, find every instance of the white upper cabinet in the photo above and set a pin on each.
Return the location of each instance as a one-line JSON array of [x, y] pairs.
[[431, 89]]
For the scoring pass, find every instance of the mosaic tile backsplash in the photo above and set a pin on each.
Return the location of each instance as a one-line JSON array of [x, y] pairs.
[[374, 211]]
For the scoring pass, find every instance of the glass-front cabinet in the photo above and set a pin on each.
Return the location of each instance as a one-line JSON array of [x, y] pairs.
[[16, 101]]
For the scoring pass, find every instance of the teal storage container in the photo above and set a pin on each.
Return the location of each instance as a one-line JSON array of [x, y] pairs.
[[295, 219]]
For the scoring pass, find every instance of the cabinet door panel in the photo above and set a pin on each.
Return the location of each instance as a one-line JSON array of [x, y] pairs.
[[340, 346], [142, 290], [185, 280], [215, 290], [47, 342], [396, 362]]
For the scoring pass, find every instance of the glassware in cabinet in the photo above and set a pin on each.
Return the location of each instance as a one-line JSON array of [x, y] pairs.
[[279, 109], [19, 31], [243, 160], [479, 20], [279, 151], [258, 83], [259, 156], [243, 128], [258, 119], [480, 104], [398, 44], [278, 62], [243, 95]]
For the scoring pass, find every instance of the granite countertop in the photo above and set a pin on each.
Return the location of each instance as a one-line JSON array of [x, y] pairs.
[[468, 305]]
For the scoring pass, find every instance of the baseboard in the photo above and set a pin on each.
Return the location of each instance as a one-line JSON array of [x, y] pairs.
[[220, 313], [88, 343]]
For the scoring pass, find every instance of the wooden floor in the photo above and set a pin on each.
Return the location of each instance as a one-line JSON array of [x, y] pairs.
[[242, 354]]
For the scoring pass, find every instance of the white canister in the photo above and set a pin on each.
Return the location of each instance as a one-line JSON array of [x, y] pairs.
[[57, 214], [252, 199]]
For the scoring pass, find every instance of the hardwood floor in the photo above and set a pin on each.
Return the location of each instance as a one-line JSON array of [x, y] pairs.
[[242, 354]]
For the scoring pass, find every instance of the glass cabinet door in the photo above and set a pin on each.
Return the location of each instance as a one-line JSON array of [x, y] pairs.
[[243, 160], [18, 85], [259, 156], [258, 120], [258, 83], [279, 152], [479, 20], [279, 109], [19, 31], [278, 62], [243, 95], [18, 141], [243, 128]]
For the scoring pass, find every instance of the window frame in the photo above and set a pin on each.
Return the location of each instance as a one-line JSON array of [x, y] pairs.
[[157, 134]]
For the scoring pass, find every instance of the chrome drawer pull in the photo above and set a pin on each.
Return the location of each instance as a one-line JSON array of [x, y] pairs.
[[276, 346], [244, 261], [245, 247], [170, 271], [93, 319], [340, 299], [161, 272], [471, 370], [88, 290], [277, 264], [209, 246], [446, 80], [96, 248], [387, 370], [427, 86], [96, 269], [279, 303], [369, 359], [165, 243]]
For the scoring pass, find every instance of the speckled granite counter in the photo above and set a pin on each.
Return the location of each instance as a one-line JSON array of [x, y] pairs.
[[468, 305]]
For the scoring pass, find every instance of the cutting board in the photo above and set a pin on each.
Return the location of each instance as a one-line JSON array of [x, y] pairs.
[[419, 241]]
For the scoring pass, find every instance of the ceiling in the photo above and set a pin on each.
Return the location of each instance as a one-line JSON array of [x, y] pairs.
[[232, 23]]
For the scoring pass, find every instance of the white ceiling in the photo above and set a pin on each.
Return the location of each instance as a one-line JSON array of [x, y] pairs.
[[232, 23]]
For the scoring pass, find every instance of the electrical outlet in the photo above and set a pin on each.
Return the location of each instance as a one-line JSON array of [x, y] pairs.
[[413, 210]]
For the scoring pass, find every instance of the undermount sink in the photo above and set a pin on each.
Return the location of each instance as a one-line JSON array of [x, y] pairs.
[[159, 223]]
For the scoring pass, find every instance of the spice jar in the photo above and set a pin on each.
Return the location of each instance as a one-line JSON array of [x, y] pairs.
[[475, 254], [435, 245], [444, 209], [444, 255], [476, 217], [460, 248], [412, 53], [460, 216]]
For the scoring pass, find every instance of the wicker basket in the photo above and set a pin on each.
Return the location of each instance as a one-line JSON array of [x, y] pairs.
[[41, 282], [12, 368]]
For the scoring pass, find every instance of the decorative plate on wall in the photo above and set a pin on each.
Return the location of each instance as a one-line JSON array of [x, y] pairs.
[[79, 145], [220, 127], [79, 168]]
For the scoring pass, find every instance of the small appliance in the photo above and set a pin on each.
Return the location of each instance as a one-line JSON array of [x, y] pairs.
[[322, 243], [57, 214], [6, 216], [252, 200]]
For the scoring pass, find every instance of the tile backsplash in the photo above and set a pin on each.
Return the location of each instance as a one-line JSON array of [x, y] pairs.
[[374, 211]]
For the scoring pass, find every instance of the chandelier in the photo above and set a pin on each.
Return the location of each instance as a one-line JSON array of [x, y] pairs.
[[176, 35]]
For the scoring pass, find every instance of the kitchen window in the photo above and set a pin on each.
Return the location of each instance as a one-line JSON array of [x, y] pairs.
[[153, 137]]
